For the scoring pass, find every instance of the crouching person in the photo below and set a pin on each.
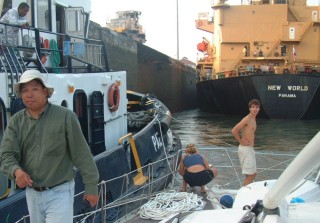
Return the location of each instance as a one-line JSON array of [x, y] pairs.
[[195, 169]]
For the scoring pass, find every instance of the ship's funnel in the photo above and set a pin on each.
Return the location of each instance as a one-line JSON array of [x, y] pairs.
[[307, 160]]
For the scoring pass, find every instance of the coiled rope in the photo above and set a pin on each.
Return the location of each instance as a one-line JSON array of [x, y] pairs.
[[169, 203]]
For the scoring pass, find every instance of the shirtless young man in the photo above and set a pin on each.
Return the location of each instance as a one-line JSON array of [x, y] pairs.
[[246, 153]]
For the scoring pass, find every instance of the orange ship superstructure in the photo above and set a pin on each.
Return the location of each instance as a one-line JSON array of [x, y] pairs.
[[267, 50], [265, 36]]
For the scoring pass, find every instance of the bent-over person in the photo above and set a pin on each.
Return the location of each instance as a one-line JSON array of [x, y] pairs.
[[195, 169]]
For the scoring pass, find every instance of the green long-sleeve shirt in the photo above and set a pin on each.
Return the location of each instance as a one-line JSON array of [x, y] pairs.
[[48, 148]]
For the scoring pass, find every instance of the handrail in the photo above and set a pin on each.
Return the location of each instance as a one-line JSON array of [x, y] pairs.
[[94, 46], [227, 155]]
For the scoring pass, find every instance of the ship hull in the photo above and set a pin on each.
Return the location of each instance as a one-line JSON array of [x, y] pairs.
[[283, 96]]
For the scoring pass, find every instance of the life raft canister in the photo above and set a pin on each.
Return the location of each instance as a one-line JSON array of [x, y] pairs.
[[202, 47], [114, 97]]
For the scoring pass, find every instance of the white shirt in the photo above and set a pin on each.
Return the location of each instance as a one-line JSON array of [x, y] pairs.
[[11, 17]]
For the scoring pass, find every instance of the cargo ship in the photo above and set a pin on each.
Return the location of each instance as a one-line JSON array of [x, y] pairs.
[[268, 50], [128, 133]]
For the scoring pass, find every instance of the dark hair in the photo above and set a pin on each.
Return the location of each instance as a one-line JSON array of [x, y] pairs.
[[254, 102], [23, 5]]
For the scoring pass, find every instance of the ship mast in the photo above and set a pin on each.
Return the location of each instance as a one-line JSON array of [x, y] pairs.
[[177, 29]]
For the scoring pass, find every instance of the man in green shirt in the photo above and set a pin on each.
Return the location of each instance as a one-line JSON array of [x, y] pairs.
[[40, 147]]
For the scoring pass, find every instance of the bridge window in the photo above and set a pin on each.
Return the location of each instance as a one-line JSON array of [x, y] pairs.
[[75, 21], [43, 14], [280, 1]]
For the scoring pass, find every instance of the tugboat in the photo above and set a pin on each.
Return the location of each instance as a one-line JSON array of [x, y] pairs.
[[268, 50], [128, 133]]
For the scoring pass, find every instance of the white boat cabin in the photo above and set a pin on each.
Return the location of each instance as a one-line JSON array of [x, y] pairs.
[[77, 68]]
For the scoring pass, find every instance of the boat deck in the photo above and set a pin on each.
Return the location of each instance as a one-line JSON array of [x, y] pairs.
[[270, 166], [135, 217]]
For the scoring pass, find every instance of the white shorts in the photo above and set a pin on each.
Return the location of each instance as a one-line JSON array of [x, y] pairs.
[[247, 160]]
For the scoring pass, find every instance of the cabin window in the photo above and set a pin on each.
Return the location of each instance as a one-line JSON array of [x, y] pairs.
[[43, 14], [80, 108], [283, 50], [280, 1], [64, 103], [74, 23], [79, 105]]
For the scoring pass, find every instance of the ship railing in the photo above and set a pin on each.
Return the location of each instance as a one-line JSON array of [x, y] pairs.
[[56, 52], [129, 199], [87, 51], [225, 159]]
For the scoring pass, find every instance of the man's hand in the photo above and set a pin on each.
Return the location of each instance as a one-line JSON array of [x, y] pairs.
[[92, 199], [22, 178], [24, 26]]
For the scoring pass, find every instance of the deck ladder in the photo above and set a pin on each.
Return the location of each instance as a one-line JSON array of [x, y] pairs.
[[12, 64]]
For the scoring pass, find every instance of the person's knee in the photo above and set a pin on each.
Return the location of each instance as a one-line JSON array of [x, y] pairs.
[[254, 175], [215, 171], [251, 176]]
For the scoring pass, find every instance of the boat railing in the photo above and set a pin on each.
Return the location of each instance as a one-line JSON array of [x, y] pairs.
[[46, 50], [270, 166], [129, 199]]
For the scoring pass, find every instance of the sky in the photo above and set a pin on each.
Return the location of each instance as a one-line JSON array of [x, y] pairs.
[[159, 20]]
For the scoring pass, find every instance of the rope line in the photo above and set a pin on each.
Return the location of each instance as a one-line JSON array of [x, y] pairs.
[[167, 204]]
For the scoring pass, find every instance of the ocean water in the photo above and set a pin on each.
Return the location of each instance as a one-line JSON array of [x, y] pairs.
[[206, 129]]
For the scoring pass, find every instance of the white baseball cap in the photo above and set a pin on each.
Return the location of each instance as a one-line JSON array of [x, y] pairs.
[[28, 76]]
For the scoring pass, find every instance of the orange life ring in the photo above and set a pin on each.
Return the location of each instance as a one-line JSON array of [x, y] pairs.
[[113, 97], [199, 24]]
